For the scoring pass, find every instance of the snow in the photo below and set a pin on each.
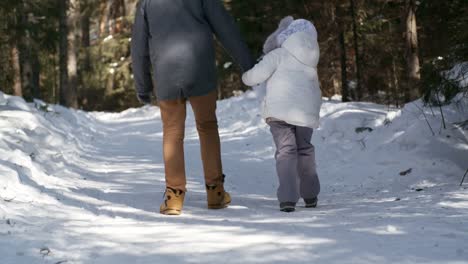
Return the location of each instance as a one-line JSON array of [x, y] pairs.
[[79, 187]]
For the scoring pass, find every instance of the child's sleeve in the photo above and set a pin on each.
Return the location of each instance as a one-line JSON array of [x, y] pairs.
[[263, 70]]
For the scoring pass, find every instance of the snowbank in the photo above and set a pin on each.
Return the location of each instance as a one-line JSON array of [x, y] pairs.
[[82, 187]]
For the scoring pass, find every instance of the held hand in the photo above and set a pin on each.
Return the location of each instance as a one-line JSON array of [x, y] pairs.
[[144, 98]]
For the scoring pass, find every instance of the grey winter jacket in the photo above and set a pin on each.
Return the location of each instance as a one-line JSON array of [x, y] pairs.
[[174, 39]]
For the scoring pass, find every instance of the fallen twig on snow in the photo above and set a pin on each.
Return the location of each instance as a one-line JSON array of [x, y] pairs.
[[8, 199], [45, 251], [406, 172], [425, 117], [441, 111], [461, 183]]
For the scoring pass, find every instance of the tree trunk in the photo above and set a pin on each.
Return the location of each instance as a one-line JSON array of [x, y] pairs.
[[124, 14], [24, 51], [73, 18], [15, 59], [343, 59], [63, 51], [68, 60], [396, 83], [29, 58], [117, 12], [131, 8], [359, 91], [104, 20], [344, 71], [35, 73], [26, 70], [412, 50], [56, 75], [85, 34], [30, 67]]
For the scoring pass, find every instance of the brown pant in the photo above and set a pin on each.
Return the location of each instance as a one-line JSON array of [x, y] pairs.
[[173, 114]]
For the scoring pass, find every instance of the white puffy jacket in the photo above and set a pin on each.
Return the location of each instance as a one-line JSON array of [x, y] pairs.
[[292, 86]]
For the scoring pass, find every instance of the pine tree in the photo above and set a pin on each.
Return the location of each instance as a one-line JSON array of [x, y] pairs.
[[69, 14], [412, 51]]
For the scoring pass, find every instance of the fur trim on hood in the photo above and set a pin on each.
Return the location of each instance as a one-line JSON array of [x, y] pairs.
[[298, 25], [271, 43]]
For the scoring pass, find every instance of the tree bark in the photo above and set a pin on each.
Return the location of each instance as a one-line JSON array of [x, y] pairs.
[[412, 52], [15, 59], [117, 13], [359, 91], [104, 20], [344, 70], [30, 67], [68, 59], [85, 34], [73, 18], [396, 83], [28, 54], [343, 59], [35, 73], [26, 70], [63, 51], [124, 14]]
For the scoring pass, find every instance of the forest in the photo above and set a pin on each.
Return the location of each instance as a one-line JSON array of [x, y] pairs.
[[77, 52], [368, 163]]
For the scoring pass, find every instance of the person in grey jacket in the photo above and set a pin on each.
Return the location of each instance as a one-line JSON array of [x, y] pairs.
[[173, 47]]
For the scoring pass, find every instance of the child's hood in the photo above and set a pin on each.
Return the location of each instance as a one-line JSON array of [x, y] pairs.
[[300, 39], [272, 42]]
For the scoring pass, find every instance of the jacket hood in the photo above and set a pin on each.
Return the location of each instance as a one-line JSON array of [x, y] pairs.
[[298, 25], [272, 41], [304, 47]]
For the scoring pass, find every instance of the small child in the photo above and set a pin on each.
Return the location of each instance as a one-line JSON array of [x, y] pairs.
[[292, 107]]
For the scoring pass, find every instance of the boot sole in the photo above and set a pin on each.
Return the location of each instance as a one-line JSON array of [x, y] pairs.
[[171, 212], [288, 210], [222, 206], [218, 206]]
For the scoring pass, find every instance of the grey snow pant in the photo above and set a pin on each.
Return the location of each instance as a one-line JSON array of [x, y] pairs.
[[295, 161]]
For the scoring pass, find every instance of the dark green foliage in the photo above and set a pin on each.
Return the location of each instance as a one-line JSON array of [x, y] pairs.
[[30, 25], [108, 85], [440, 84], [105, 73], [446, 59]]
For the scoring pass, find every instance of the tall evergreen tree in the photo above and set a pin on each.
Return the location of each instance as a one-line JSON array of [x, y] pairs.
[[69, 14], [357, 55], [412, 51]]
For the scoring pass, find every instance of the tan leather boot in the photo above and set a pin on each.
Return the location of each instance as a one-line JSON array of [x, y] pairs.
[[217, 197], [173, 202]]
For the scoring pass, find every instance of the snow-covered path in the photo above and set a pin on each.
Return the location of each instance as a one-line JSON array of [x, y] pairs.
[[80, 187]]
